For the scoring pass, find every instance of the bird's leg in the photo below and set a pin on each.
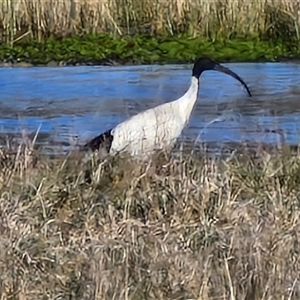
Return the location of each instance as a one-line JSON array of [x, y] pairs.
[[169, 149], [167, 152]]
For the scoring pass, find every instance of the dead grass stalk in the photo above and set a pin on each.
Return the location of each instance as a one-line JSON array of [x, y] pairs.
[[196, 18], [193, 227]]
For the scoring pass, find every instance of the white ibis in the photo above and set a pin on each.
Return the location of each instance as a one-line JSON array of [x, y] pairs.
[[157, 128]]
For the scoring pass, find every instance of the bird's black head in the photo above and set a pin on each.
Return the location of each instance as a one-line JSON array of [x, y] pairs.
[[206, 64]]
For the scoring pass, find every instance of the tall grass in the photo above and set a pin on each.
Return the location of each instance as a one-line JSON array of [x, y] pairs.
[[191, 227], [214, 18]]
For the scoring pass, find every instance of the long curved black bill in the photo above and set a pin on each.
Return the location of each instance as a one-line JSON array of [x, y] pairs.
[[229, 72]]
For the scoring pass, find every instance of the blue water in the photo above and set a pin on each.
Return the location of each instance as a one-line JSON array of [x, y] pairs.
[[83, 101]]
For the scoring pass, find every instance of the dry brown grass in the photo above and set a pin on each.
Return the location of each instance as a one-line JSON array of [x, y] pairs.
[[195, 17], [193, 227]]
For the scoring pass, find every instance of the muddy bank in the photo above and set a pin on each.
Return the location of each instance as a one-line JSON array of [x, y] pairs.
[[17, 63]]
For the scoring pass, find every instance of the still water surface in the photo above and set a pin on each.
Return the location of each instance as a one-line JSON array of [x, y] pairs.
[[84, 101]]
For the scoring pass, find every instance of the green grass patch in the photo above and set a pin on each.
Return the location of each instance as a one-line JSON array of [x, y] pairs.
[[99, 48]]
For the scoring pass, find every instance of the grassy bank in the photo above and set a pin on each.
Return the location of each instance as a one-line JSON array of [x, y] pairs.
[[131, 31], [198, 228], [109, 49]]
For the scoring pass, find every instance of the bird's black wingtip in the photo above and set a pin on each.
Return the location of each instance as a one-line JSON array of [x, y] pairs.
[[103, 141]]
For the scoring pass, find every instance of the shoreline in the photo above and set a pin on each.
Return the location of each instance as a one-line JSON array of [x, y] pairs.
[[59, 64], [109, 50], [4, 64]]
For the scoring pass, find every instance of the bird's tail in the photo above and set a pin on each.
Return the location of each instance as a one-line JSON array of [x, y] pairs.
[[103, 141]]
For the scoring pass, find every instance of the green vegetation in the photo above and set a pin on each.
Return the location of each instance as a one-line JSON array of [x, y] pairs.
[[99, 48], [190, 227]]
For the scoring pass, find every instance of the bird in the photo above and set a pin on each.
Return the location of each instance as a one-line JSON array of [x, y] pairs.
[[158, 128]]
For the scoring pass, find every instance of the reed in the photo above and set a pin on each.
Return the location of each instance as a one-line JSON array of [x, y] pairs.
[[191, 227], [212, 19]]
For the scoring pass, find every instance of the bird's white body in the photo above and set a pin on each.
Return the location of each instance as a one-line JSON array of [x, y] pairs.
[[156, 128]]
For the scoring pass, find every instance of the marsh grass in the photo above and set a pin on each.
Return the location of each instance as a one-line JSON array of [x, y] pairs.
[[213, 19], [184, 227]]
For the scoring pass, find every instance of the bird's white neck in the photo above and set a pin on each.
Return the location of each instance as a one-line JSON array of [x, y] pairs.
[[188, 100]]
